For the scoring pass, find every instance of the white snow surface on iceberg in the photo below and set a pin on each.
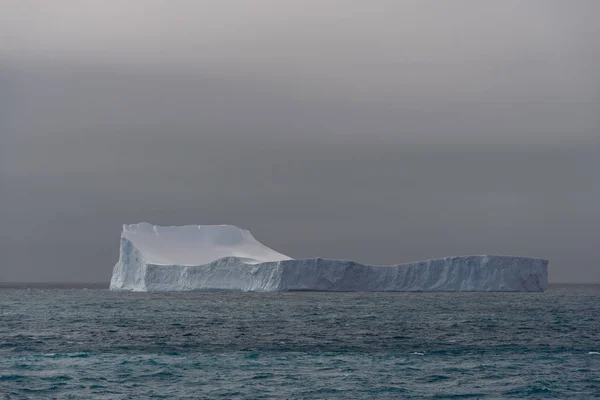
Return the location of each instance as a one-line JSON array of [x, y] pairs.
[[197, 244], [224, 257]]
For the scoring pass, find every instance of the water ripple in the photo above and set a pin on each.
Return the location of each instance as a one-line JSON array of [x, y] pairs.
[[99, 344]]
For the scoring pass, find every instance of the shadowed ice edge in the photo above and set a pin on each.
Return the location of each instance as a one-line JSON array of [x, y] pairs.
[[225, 257]]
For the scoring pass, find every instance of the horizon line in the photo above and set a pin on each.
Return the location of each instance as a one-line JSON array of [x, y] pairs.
[[107, 284]]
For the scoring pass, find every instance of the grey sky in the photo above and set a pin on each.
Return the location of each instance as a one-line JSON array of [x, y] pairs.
[[381, 131]]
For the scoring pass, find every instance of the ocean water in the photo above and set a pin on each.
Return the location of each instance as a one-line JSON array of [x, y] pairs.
[[84, 344]]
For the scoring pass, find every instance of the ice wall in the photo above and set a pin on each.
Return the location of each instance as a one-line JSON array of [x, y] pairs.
[[227, 258]]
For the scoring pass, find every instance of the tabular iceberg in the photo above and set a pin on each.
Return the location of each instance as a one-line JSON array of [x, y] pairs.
[[224, 257]]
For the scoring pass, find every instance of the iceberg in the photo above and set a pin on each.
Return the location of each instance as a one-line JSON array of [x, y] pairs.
[[225, 257]]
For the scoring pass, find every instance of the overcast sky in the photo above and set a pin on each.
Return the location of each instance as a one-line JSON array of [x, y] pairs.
[[379, 131]]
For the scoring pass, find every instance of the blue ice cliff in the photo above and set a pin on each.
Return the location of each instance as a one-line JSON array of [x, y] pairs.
[[224, 257]]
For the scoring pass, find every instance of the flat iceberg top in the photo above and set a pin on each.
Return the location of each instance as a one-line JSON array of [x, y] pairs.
[[197, 244]]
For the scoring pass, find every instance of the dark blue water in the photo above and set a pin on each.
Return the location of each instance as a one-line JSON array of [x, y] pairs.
[[82, 344]]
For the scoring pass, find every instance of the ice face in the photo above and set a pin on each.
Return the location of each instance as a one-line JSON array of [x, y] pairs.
[[223, 257]]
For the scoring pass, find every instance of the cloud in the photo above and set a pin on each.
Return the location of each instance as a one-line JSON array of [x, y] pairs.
[[381, 131]]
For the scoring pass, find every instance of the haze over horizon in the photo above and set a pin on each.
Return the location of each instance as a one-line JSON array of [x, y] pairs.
[[384, 132]]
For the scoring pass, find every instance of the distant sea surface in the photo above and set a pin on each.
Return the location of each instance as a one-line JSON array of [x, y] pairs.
[[97, 344]]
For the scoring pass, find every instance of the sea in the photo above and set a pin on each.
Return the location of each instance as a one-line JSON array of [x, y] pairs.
[[92, 343]]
